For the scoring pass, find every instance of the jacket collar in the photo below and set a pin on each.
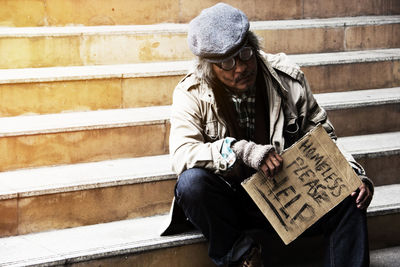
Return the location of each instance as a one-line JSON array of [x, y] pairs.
[[267, 65], [271, 62], [282, 63]]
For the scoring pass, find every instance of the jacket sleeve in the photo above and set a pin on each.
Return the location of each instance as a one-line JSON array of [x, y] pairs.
[[187, 143], [302, 112], [313, 115]]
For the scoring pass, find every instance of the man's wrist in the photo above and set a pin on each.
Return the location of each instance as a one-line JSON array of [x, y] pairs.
[[227, 152]]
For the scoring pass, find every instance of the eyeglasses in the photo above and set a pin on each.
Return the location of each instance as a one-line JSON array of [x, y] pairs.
[[244, 54]]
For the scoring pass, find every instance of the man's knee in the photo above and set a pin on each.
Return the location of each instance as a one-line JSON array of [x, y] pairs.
[[192, 185], [348, 213], [350, 206]]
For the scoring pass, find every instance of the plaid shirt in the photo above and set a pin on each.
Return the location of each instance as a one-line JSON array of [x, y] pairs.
[[245, 107]]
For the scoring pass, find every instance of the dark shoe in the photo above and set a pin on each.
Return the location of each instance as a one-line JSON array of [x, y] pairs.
[[252, 258]]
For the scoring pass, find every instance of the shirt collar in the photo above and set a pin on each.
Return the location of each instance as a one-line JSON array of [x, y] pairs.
[[241, 96]]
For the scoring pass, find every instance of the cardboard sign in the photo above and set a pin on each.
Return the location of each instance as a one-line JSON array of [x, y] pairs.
[[315, 178]]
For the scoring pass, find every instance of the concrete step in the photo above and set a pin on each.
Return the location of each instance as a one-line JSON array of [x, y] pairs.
[[33, 47], [363, 111], [123, 243], [384, 218], [135, 242], [58, 89], [68, 138], [378, 153], [32, 13], [41, 199], [387, 257], [333, 72]]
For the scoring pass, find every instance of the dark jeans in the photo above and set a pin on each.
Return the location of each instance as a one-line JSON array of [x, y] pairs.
[[225, 213]]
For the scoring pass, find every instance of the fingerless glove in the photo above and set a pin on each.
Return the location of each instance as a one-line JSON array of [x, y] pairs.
[[251, 153]]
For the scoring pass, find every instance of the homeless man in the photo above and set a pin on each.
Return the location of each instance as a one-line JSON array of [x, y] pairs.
[[232, 116]]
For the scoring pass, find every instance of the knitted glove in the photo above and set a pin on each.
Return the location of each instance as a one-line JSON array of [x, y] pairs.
[[251, 153]]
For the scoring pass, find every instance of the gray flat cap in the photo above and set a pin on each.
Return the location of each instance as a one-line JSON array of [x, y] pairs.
[[218, 32]]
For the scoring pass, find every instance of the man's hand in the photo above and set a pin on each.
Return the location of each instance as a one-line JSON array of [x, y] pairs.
[[252, 154], [272, 164], [364, 196]]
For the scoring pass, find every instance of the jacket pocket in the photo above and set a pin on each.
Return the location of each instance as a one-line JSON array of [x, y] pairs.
[[291, 132], [211, 130]]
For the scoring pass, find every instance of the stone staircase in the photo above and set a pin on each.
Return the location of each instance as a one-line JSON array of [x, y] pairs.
[[85, 88]]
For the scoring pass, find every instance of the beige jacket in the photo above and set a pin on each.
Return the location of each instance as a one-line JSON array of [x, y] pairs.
[[197, 129]]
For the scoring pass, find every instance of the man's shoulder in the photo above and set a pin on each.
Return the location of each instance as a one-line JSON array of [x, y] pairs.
[[190, 88], [189, 82], [282, 63]]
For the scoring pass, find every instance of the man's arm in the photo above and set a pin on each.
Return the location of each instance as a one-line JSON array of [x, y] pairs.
[[188, 147]]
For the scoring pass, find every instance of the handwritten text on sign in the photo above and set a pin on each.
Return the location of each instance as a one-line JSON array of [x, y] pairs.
[[315, 178]]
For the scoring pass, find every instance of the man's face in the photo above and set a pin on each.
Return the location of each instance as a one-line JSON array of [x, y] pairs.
[[241, 78]]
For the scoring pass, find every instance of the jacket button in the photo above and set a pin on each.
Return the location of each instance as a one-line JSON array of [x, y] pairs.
[[222, 166]]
